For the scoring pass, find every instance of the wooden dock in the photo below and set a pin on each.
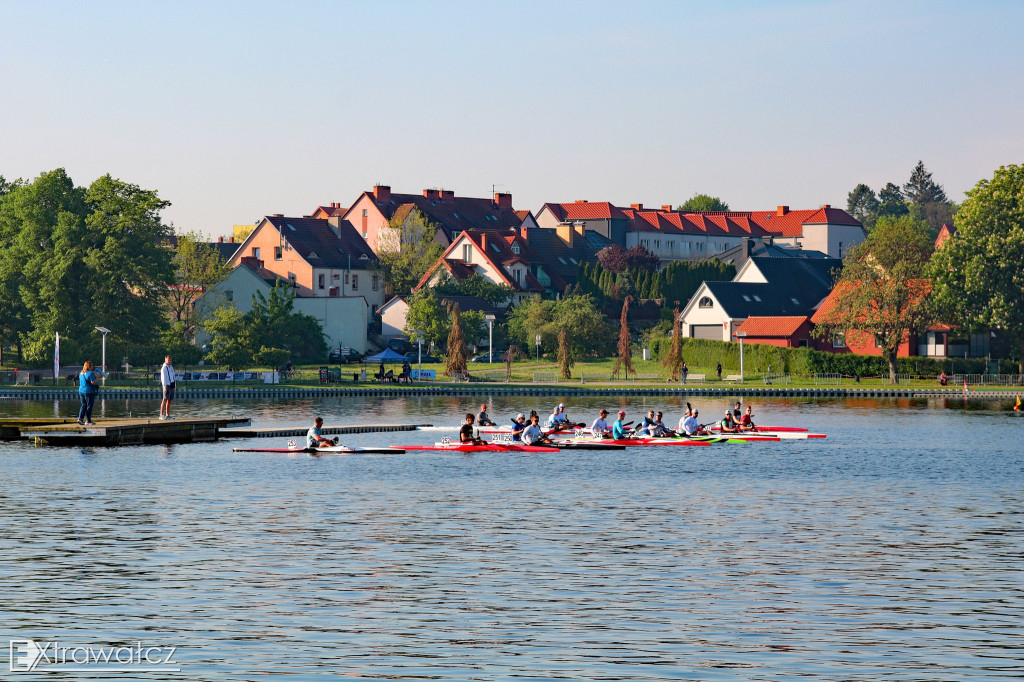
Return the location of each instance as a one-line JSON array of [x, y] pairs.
[[326, 430], [111, 432]]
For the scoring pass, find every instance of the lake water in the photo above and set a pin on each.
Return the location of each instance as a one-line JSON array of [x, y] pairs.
[[891, 550]]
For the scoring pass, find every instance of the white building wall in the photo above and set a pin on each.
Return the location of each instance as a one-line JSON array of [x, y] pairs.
[[393, 319], [835, 240], [694, 314]]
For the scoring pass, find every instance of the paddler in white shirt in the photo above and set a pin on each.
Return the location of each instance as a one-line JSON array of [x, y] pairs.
[[600, 428]]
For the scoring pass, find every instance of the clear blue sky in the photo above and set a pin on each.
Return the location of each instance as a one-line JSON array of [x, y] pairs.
[[236, 110]]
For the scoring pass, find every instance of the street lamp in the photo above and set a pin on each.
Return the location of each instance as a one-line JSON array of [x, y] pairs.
[[103, 362], [490, 338], [537, 339], [419, 343], [741, 336]]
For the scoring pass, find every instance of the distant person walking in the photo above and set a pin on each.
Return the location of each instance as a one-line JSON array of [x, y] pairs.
[[167, 383], [88, 387], [718, 369], [686, 371]]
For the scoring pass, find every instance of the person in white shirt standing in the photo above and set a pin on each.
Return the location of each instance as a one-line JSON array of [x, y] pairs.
[[167, 382]]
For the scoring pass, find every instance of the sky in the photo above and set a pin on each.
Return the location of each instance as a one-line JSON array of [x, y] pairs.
[[232, 111]]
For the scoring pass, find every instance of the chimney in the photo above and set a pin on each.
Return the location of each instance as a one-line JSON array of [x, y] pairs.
[[447, 195], [748, 246], [431, 194], [826, 205], [252, 261], [523, 232], [637, 207], [581, 201], [483, 242], [220, 240], [782, 210], [335, 224], [231, 240], [382, 193], [566, 232], [278, 215], [667, 208], [503, 201]]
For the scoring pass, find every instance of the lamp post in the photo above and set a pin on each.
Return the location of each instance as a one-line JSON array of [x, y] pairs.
[[741, 336], [103, 361], [537, 339], [419, 343], [490, 338]]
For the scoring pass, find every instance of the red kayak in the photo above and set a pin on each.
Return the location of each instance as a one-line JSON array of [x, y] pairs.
[[469, 447], [771, 429]]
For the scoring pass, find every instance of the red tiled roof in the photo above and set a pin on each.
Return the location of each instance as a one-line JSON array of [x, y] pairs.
[[586, 210], [453, 214], [772, 326]]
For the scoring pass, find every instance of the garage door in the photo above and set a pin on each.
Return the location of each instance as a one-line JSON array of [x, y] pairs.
[[706, 331]]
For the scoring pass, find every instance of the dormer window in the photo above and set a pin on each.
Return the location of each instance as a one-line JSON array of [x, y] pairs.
[[705, 302], [515, 248], [312, 254], [757, 298]]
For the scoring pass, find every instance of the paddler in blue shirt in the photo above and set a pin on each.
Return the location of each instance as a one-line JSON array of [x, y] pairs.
[[518, 426], [532, 435], [314, 439], [618, 428]]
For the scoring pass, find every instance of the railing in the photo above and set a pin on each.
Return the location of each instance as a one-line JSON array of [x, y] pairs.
[[827, 378], [776, 377], [545, 377], [988, 379]]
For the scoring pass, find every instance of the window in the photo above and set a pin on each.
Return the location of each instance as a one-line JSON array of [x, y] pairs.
[[562, 261], [794, 300], [495, 249], [518, 274], [515, 248], [746, 298], [374, 280], [467, 253], [657, 243], [355, 282], [878, 342], [706, 302], [346, 278], [277, 253], [802, 343], [365, 213], [256, 252], [838, 341], [840, 249], [574, 261], [320, 281], [336, 276], [230, 295], [757, 298]]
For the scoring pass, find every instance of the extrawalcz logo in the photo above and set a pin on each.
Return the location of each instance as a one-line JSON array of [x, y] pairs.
[[27, 655]]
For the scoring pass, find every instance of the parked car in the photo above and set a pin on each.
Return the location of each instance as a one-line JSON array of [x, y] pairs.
[[402, 346], [413, 358], [344, 356], [499, 356]]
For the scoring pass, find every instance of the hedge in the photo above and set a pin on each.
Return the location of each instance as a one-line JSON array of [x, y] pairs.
[[758, 357]]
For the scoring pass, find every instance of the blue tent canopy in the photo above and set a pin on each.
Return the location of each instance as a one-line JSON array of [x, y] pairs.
[[387, 355]]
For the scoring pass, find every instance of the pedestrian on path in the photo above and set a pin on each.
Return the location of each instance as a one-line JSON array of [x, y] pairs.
[[686, 371], [167, 383], [88, 387], [719, 370]]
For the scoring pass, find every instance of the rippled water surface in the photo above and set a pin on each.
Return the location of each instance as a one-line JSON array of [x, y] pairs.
[[893, 549]]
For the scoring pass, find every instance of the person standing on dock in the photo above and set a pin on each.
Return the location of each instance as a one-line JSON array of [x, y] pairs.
[[167, 383], [88, 387]]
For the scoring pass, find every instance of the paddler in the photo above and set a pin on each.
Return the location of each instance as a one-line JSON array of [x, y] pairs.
[[557, 419], [518, 426], [468, 433], [727, 423], [648, 425], [689, 425], [532, 435], [619, 428], [737, 412], [747, 420], [482, 419], [314, 438], [600, 428], [659, 429]]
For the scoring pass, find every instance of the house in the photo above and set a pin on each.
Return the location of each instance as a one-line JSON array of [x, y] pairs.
[[499, 257], [945, 232], [375, 211], [762, 287], [676, 235], [738, 255], [344, 319], [322, 258], [225, 248], [395, 312]]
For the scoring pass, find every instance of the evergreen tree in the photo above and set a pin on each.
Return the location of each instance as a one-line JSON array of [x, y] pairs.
[[921, 189], [863, 205], [455, 361], [625, 358], [891, 202], [673, 360]]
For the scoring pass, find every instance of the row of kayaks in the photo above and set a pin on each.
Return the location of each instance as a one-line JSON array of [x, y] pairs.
[[577, 439]]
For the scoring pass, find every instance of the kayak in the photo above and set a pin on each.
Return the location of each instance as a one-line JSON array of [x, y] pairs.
[[469, 447], [773, 429], [332, 450], [630, 442]]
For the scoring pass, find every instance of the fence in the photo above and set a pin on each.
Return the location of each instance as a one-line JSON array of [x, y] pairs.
[[776, 377], [827, 378], [988, 379]]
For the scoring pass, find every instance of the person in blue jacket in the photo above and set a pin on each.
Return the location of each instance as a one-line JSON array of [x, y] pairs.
[[88, 387], [618, 428]]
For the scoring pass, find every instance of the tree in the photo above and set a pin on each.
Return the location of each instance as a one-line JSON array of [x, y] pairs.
[[612, 258], [475, 285], [920, 189], [883, 293], [406, 251], [674, 359], [511, 355], [863, 205], [231, 343], [700, 203], [625, 357], [979, 281], [455, 361], [579, 313], [198, 268], [565, 355], [427, 319], [273, 323], [890, 201]]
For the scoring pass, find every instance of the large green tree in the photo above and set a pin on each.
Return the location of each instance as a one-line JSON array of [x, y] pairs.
[[863, 205], [428, 318], [475, 285], [407, 249], [890, 201], [979, 280], [590, 335], [699, 203], [76, 258], [198, 268], [883, 293]]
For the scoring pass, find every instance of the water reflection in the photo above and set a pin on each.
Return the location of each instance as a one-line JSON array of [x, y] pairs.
[[890, 550]]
